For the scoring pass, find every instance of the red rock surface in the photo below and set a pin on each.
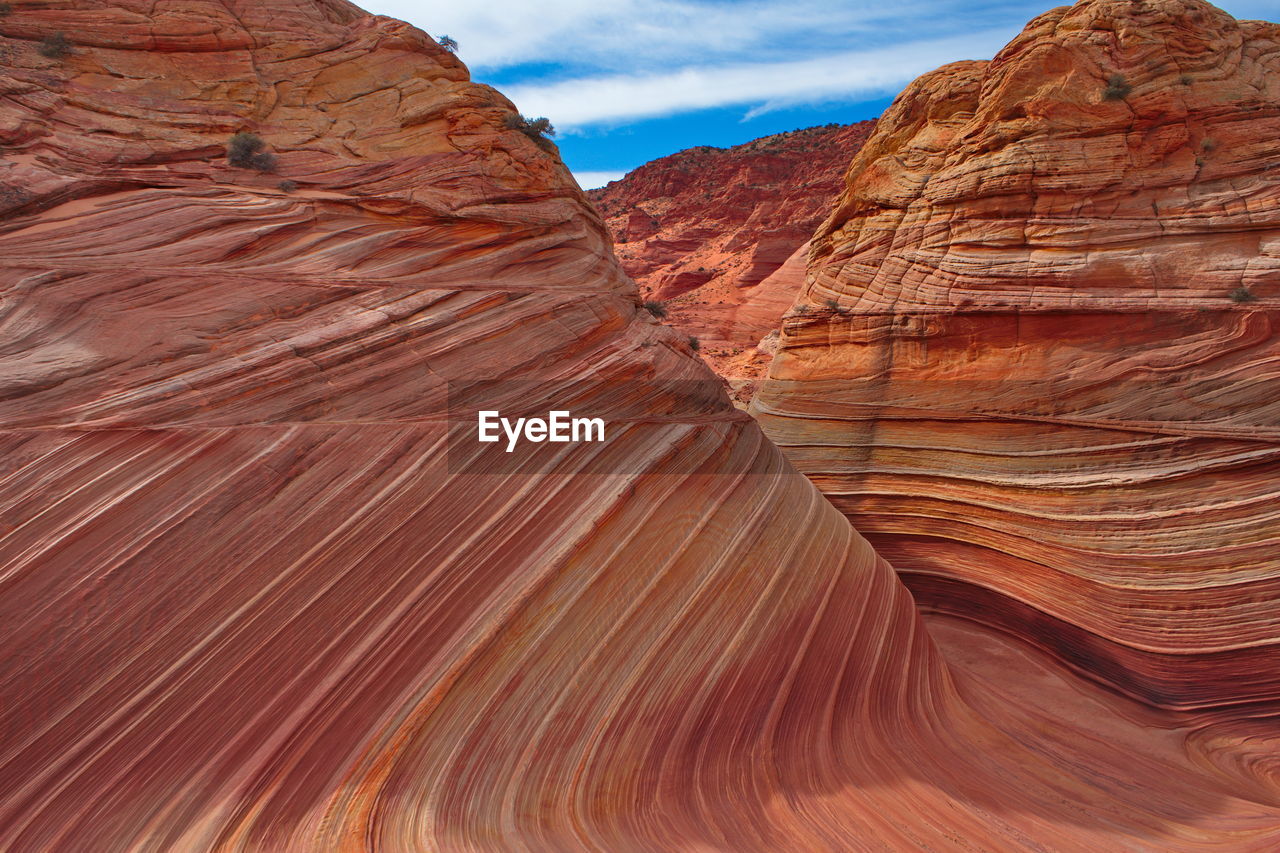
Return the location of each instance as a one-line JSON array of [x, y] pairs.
[[253, 598], [1038, 393], [707, 230]]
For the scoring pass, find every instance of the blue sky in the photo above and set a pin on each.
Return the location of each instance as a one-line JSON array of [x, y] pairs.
[[625, 81]]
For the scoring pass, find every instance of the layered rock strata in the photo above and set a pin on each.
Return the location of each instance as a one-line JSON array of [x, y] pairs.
[[714, 233], [259, 591], [1034, 359]]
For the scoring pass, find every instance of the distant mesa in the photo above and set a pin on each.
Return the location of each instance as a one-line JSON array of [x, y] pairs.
[[719, 235]]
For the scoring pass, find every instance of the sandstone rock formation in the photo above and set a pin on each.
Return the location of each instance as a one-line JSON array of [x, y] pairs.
[[1034, 357], [259, 592], [709, 231]]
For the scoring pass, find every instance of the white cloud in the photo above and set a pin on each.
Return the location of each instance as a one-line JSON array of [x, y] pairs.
[[629, 34], [585, 63], [851, 75], [592, 180], [650, 35]]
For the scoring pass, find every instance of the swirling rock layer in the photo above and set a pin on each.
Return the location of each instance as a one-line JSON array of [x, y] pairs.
[[259, 592], [1047, 385]]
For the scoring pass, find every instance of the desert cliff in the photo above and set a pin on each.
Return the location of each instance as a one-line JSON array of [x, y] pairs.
[[1033, 358]]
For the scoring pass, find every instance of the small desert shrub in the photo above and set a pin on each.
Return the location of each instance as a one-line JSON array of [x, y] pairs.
[[1208, 144], [55, 46], [537, 129], [287, 186], [832, 305], [448, 44], [245, 151], [694, 343], [1186, 79], [1117, 88], [802, 309], [1242, 294], [655, 308]]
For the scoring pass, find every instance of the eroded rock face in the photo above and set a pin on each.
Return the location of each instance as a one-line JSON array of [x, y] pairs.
[[1034, 354], [258, 595], [708, 231]]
